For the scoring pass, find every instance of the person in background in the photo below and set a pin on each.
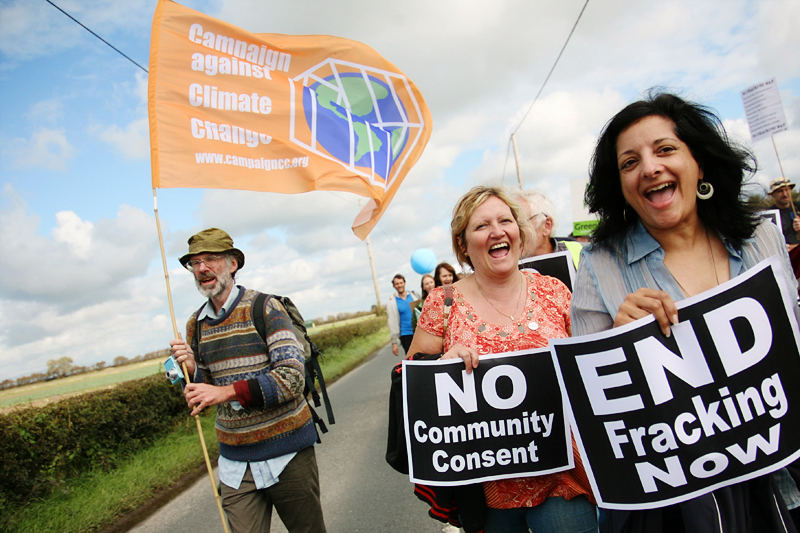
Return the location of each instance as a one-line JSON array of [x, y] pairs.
[[427, 285], [540, 233], [580, 238], [444, 274], [781, 191], [666, 183], [501, 309], [399, 315], [264, 426]]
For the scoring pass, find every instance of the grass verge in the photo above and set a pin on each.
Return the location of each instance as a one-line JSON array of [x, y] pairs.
[[337, 362], [98, 499]]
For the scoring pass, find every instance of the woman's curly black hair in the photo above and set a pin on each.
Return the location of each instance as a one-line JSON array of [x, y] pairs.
[[725, 165]]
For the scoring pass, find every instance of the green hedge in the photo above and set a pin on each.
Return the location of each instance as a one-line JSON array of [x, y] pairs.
[[339, 336], [40, 447]]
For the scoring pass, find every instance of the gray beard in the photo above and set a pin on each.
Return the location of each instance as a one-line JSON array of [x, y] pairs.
[[224, 281]]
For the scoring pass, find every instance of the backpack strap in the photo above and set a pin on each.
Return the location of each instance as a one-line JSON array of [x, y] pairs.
[[258, 315], [313, 369], [311, 366], [195, 343]]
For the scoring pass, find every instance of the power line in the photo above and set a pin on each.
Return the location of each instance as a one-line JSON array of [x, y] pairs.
[[93, 33], [552, 69]]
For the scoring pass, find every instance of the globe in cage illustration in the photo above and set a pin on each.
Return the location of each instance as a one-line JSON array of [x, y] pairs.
[[358, 116]]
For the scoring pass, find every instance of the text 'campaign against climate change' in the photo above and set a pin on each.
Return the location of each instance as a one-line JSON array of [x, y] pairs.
[[660, 420]]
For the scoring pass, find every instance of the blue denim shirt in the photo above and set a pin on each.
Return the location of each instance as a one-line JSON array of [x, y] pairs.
[[611, 270]]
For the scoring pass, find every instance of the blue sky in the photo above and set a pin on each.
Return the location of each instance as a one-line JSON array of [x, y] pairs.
[[82, 266]]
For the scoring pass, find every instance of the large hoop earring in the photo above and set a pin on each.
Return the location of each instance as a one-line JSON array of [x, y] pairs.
[[704, 190]]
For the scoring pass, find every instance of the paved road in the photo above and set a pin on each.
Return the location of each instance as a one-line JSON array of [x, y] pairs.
[[360, 492]]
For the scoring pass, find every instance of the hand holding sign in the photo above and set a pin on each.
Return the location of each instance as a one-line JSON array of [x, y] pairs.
[[662, 420], [469, 355], [503, 420], [645, 302]]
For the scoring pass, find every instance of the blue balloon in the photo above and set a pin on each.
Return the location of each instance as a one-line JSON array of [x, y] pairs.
[[423, 261]]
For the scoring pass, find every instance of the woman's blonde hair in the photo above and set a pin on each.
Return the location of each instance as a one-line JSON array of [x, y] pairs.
[[467, 205]]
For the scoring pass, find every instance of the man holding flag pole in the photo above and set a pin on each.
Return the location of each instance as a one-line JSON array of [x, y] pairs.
[[264, 426]]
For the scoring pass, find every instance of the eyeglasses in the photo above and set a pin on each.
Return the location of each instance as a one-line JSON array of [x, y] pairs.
[[536, 215], [208, 261]]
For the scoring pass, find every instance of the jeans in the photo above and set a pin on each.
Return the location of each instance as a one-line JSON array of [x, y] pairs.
[[554, 515]]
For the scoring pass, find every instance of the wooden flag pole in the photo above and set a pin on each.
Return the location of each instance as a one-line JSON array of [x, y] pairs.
[[791, 199], [177, 335]]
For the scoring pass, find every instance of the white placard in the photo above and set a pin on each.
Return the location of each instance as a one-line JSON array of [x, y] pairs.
[[763, 109]]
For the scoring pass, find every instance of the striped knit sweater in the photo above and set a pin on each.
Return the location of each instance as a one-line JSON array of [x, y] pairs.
[[268, 378]]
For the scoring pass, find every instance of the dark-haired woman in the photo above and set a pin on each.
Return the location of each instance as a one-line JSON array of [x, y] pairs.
[[444, 274], [666, 183], [427, 284]]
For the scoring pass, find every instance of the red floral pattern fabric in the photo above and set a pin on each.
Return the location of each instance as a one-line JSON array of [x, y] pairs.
[[546, 316]]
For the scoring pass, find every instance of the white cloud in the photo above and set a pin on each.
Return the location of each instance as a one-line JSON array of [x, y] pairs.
[[32, 29], [84, 262], [74, 232], [132, 140], [47, 111], [47, 148]]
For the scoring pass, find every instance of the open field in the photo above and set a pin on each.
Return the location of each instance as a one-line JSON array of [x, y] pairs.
[[38, 394], [51, 391], [323, 327]]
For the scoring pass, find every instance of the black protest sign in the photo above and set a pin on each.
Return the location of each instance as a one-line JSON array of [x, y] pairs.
[[558, 265], [503, 420], [660, 420]]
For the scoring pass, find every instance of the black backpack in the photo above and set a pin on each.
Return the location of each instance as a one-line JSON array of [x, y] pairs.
[[311, 353]]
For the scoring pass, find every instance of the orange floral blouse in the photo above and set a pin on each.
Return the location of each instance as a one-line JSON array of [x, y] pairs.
[[546, 316]]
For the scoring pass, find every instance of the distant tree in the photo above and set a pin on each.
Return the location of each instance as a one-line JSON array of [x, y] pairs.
[[24, 380], [120, 360], [100, 365], [59, 367], [758, 201], [7, 384], [36, 377]]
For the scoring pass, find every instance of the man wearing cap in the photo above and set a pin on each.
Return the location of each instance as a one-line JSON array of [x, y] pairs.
[[781, 191], [264, 426]]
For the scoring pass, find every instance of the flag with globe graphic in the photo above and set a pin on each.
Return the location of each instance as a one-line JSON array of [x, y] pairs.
[[230, 109]]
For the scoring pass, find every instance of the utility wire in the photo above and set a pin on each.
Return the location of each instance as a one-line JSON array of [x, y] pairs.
[[552, 69], [93, 33]]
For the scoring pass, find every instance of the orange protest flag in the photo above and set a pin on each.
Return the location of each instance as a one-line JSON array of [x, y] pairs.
[[230, 109]]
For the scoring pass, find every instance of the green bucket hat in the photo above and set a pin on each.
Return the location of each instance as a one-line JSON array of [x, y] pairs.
[[212, 240]]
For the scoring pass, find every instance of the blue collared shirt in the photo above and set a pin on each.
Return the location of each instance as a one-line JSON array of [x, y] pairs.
[[608, 272]]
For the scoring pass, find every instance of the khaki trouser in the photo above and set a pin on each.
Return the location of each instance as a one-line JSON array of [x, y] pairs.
[[295, 497]]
